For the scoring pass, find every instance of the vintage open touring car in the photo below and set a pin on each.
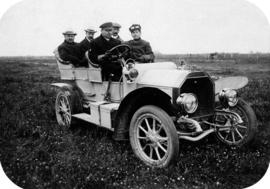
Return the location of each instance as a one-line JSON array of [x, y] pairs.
[[155, 105]]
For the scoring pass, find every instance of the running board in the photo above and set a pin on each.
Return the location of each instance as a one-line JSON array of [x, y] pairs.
[[88, 118], [83, 116], [100, 113]]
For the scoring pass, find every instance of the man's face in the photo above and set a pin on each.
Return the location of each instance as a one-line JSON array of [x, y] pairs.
[[136, 34], [89, 35], [107, 32], [115, 31], [69, 38]]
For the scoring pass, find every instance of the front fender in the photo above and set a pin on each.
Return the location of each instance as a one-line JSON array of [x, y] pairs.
[[132, 102], [235, 83]]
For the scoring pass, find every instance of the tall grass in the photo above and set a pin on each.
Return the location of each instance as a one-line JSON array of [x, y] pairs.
[[36, 153]]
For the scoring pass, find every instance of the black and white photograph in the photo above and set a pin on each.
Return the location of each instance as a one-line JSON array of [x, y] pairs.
[[142, 94]]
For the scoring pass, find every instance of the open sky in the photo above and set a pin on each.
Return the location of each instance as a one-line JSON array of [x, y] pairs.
[[34, 27]]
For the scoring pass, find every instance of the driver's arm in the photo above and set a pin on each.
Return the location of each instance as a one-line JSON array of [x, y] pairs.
[[106, 56], [94, 54], [101, 57]]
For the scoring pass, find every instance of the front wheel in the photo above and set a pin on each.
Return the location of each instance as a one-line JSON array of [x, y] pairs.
[[153, 136], [237, 133]]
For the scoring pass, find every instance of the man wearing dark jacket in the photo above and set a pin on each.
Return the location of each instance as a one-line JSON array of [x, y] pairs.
[[97, 53], [141, 50], [70, 51], [85, 43]]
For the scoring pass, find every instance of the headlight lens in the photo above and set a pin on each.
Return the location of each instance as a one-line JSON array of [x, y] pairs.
[[133, 73], [130, 72], [188, 101], [228, 97]]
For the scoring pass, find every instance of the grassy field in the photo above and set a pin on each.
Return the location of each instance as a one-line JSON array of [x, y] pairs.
[[36, 153]]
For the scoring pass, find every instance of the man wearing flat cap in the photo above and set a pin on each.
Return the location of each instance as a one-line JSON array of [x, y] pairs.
[[89, 36], [116, 30], [70, 50], [98, 48], [141, 50]]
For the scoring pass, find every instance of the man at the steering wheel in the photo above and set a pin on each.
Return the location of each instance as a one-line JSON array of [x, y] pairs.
[[98, 53]]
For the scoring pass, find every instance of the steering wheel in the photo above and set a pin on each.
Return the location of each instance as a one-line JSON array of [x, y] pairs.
[[118, 51]]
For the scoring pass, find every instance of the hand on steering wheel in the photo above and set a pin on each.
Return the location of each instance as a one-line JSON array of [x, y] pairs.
[[118, 51]]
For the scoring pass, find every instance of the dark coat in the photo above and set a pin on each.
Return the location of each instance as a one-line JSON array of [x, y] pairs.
[[71, 52], [84, 45], [98, 47], [141, 50]]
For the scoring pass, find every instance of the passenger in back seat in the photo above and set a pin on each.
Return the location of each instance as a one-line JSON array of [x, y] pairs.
[[70, 50], [89, 36]]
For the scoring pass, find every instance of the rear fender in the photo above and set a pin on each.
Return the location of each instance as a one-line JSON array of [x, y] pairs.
[[69, 86], [62, 85], [75, 93]]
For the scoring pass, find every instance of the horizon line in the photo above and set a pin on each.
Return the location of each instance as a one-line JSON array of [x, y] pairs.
[[157, 53]]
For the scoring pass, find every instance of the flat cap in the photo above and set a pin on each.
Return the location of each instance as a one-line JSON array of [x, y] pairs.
[[69, 32], [134, 27], [90, 30], [106, 25], [116, 25]]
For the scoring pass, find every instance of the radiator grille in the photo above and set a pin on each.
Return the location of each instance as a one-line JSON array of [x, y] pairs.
[[202, 86]]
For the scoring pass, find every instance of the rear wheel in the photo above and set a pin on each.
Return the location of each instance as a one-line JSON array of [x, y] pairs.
[[67, 103], [237, 133], [153, 136]]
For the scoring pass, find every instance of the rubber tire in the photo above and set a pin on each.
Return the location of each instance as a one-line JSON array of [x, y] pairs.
[[166, 119], [74, 101], [252, 126]]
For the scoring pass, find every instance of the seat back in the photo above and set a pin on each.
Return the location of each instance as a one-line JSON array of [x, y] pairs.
[[66, 69], [94, 73], [91, 64]]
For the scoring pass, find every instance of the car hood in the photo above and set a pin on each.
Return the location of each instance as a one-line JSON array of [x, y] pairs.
[[160, 74]]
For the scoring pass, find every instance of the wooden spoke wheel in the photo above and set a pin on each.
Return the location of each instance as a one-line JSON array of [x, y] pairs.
[[153, 136]]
